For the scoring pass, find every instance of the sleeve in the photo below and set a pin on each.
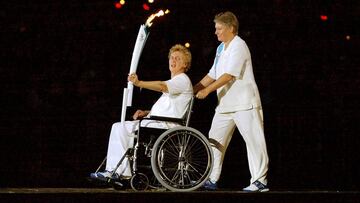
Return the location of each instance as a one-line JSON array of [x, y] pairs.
[[237, 60], [212, 72], [178, 84]]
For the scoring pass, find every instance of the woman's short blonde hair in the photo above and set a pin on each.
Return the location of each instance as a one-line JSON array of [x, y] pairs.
[[183, 50], [228, 18]]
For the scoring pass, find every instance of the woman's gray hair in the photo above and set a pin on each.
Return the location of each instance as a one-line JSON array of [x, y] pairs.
[[228, 18]]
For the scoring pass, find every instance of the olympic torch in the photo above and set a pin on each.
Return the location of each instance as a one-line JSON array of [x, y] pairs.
[[139, 45]]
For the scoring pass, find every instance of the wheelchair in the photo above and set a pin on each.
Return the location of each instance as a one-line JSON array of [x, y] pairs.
[[177, 159]]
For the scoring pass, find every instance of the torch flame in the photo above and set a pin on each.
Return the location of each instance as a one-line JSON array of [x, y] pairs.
[[152, 16]]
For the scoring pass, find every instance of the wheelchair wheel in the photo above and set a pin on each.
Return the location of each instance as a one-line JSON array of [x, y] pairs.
[[139, 182], [181, 159]]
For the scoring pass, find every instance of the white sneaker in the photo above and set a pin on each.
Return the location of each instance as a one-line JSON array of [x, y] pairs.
[[256, 186], [104, 176]]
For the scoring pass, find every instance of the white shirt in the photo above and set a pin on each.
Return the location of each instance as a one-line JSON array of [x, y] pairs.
[[241, 93], [174, 103]]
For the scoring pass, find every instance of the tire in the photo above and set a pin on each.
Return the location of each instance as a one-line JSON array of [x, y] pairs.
[[182, 159]]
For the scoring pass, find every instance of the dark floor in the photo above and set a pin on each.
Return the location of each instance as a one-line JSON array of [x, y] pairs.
[[112, 195]]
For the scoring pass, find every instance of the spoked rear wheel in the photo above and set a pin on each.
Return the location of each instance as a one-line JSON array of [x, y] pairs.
[[181, 159]]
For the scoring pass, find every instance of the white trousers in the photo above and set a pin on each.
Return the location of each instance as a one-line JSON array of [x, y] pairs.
[[122, 137], [250, 125]]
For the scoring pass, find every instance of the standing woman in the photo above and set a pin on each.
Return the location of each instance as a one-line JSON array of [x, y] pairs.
[[239, 103]]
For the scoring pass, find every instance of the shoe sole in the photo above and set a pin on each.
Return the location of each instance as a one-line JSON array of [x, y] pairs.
[[261, 190]]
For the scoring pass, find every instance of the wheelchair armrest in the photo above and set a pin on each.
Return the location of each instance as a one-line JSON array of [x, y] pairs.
[[161, 118]]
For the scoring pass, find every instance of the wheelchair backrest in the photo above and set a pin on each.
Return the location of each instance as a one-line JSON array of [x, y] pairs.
[[188, 112]]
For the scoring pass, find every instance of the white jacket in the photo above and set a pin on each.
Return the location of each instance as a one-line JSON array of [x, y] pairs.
[[242, 93]]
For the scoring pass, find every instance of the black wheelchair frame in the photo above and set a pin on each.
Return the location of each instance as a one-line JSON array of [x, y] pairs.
[[180, 158]]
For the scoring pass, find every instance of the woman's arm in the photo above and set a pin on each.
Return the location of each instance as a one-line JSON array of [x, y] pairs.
[[159, 86], [206, 81], [225, 78]]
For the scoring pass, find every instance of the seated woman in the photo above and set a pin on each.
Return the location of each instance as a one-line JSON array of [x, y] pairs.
[[177, 93]]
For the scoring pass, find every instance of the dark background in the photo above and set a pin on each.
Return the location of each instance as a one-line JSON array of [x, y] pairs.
[[64, 66]]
